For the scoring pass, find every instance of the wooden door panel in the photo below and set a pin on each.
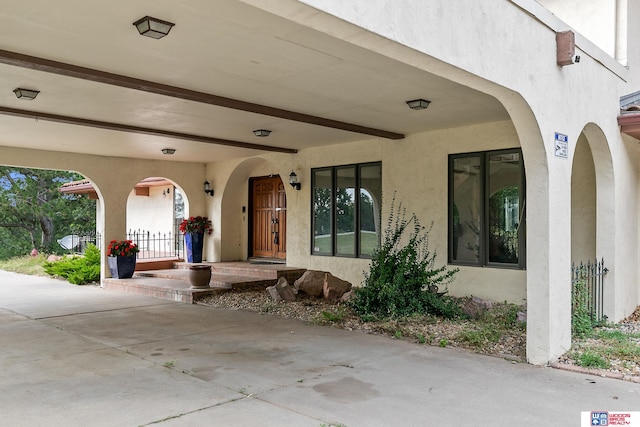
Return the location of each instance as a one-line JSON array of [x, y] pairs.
[[268, 217]]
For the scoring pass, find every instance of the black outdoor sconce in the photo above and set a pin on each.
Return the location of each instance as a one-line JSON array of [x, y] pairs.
[[208, 189], [293, 180]]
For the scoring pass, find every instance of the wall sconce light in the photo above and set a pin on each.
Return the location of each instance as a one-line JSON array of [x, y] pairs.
[[168, 151], [418, 104], [208, 189], [153, 27], [26, 94], [293, 180], [262, 132]]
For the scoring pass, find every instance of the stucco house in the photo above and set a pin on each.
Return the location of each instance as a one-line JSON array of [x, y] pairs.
[[500, 121]]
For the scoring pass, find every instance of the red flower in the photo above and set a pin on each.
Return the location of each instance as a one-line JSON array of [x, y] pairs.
[[122, 248], [196, 225]]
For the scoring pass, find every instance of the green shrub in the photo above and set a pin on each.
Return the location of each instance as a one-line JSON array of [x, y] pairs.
[[590, 359], [77, 269], [581, 323], [403, 279]]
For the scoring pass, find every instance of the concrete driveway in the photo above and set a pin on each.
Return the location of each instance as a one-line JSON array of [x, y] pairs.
[[85, 356]]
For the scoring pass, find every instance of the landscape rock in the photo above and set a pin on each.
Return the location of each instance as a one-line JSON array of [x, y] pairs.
[[273, 293], [281, 291], [348, 296], [334, 288], [310, 283], [53, 258], [476, 307]]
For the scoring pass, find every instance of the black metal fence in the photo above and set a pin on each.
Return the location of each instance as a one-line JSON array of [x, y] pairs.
[[77, 243], [157, 245], [592, 273]]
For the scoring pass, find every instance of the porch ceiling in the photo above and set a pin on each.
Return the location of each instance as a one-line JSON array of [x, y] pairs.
[[222, 48]]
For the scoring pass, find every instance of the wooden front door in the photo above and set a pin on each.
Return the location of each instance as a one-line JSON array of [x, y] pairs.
[[269, 218]]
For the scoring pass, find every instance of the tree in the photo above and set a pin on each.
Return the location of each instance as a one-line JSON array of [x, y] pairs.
[[33, 211]]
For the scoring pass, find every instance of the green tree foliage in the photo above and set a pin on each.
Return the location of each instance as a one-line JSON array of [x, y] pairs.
[[33, 213], [77, 269], [403, 278]]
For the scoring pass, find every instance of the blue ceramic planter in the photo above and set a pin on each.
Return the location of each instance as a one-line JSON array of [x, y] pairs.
[[193, 242], [121, 267]]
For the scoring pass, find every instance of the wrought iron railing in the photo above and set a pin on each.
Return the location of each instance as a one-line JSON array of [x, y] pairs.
[[592, 273], [157, 245]]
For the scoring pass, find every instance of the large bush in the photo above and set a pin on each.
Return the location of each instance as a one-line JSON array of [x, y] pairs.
[[77, 269], [403, 278]]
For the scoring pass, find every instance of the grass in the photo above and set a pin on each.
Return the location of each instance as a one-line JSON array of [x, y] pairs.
[[25, 265], [491, 327], [605, 347]]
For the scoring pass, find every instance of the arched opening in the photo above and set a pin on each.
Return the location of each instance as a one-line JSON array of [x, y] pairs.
[[155, 208], [583, 204]]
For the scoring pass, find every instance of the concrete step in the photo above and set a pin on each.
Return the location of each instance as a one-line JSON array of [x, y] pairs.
[[173, 283]]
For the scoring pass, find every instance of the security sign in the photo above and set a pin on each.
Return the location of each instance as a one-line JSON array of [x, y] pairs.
[[561, 145]]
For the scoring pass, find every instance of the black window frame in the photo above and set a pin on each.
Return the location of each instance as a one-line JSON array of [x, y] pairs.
[[333, 218], [483, 259]]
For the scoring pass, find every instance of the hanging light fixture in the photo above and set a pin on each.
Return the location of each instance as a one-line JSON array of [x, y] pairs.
[[153, 27], [26, 94], [207, 188], [262, 132], [293, 180], [418, 104]]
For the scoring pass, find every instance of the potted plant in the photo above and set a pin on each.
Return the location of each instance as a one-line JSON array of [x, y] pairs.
[[194, 229], [121, 258]]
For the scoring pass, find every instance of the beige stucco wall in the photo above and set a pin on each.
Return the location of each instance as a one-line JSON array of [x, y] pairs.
[[414, 169]]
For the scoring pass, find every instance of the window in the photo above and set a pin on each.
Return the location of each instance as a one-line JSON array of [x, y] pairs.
[[487, 209], [346, 210]]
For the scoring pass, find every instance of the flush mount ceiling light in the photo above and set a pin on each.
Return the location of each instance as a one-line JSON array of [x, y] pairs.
[[261, 132], [168, 150], [28, 94], [418, 104], [153, 27]]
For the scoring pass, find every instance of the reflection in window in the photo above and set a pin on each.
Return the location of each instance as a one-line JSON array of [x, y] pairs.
[[346, 210], [486, 209]]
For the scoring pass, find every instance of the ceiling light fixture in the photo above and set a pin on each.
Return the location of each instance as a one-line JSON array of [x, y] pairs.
[[153, 27], [418, 104], [27, 94], [262, 132], [168, 151]]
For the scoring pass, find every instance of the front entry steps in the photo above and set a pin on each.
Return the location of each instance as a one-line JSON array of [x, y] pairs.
[[173, 284]]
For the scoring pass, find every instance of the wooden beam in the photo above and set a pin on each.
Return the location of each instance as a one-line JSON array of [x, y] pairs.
[[70, 70], [137, 129]]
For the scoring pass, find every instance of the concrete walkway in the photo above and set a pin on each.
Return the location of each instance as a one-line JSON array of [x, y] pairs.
[[85, 356]]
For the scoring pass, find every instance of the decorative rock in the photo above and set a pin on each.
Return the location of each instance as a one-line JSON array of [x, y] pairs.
[[522, 317], [285, 291], [334, 288], [34, 252], [310, 283], [348, 296], [476, 307], [273, 293], [281, 291], [53, 258]]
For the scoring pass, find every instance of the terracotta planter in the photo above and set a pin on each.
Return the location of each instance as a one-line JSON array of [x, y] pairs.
[[199, 276]]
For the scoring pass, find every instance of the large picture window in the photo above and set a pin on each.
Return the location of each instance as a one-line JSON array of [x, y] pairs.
[[487, 209], [346, 210]]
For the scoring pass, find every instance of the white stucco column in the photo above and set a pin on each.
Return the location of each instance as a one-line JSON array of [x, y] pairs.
[[548, 259]]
